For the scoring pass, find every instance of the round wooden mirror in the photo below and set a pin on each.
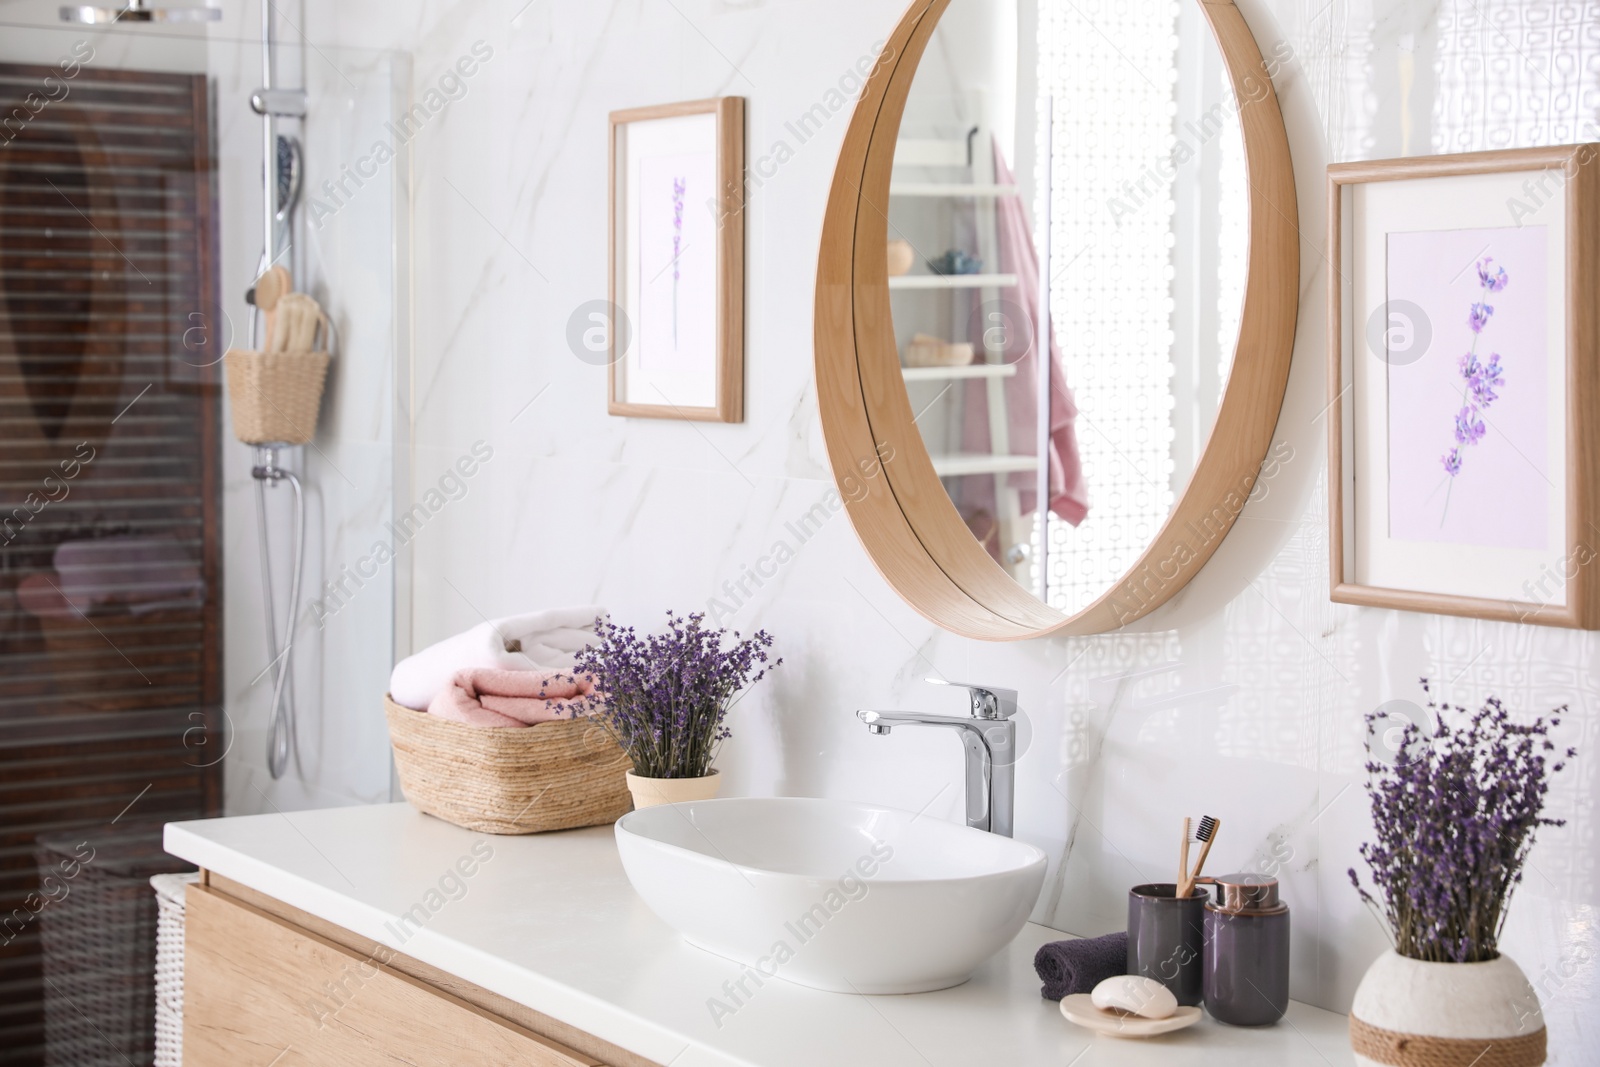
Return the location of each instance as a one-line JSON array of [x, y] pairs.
[[961, 506]]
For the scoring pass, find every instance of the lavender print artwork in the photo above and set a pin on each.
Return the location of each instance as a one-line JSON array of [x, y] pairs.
[[675, 274], [1469, 421]]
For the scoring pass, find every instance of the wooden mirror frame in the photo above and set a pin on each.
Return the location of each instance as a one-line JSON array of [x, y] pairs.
[[905, 518]]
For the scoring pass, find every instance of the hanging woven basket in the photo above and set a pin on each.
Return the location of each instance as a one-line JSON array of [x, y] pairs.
[[275, 396]]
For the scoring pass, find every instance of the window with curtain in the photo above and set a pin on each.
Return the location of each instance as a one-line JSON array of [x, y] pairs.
[[1516, 74], [1147, 262]]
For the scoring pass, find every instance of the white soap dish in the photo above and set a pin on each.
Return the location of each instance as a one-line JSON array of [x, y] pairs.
[[1079, 1008]]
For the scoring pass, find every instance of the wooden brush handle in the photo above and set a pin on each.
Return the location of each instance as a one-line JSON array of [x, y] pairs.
[[271, 287], [1183, 861]]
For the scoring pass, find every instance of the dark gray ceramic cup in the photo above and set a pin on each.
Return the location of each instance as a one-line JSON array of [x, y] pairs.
[[1166, 938]]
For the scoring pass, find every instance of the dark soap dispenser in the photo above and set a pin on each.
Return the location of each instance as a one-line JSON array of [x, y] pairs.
[[1246, 958]]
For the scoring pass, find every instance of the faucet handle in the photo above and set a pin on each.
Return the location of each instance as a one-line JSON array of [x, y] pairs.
[[988, 701]]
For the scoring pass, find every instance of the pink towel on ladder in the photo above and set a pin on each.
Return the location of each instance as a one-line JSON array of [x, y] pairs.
[[1069, 494], [487, 696]]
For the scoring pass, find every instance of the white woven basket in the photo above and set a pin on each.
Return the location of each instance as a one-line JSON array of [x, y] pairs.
[[169, 966]]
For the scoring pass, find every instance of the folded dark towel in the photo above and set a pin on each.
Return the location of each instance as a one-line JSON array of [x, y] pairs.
[[1078, 966]]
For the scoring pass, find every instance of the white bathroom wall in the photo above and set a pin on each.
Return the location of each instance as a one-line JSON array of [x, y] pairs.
[[1244, 699]]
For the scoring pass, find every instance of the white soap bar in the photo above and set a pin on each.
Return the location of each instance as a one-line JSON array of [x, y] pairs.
[[1134, 993]]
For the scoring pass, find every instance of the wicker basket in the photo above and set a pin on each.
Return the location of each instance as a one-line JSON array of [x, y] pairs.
[[169, 890], [553, 776], [275, 396], [99, 945]]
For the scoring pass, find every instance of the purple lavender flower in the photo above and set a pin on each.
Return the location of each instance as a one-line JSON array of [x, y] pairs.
[[1492, 282], [1454, 826], [665, 697], [1485, 381], [679, 187], [1479, 318], [1469, 428]]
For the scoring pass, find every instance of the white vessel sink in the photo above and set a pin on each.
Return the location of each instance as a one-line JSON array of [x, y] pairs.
[[839, 896]]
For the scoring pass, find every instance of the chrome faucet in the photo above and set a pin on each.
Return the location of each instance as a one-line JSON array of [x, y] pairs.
[[990, 739]]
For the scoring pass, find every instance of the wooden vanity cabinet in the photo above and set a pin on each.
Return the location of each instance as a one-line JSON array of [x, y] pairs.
[[266, 984]]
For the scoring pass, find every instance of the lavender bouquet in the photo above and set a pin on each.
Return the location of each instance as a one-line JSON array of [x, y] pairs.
[[1456, 816], [665, 696]]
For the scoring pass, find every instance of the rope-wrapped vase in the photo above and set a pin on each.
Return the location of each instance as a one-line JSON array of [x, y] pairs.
[[510, 780], [1411, 1013]]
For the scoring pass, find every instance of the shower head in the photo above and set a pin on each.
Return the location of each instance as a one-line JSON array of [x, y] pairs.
[[290, 176], [140, 11]]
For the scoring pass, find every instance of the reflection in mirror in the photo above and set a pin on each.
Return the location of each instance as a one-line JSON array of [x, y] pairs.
[[1110, 129]]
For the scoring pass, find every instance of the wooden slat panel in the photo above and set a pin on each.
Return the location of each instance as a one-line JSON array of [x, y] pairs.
[[150, 82], [70, 308], [24, 237], [44, 456], [254, 992], [93, 764], [18, 262], [107, 241], [125, 162], [151, 336], [31, 191], [39, 736], [106, 118]]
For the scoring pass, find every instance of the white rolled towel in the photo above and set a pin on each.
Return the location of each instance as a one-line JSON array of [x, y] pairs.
[[539, 641]]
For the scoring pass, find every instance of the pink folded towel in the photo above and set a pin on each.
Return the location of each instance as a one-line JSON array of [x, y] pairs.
[[488, 696]]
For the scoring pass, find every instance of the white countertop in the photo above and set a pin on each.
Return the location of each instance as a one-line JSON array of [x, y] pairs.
[[550, 921]]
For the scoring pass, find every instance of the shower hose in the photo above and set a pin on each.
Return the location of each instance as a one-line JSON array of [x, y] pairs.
[[280, 731]]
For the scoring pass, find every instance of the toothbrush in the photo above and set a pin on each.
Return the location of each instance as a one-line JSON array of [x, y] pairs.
[[1183, 856], [1207, 834]]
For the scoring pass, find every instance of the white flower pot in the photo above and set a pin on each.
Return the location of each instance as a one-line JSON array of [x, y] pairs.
[[648, 792], [1408, 1013]]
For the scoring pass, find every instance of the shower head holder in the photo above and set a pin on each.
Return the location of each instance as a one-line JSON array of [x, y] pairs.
[[279, 103]]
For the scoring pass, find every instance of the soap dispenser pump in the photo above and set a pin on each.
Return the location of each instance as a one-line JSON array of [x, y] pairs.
[[1246, 958]]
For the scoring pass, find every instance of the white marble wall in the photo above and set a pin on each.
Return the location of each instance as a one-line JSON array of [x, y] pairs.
[[1244, 699]]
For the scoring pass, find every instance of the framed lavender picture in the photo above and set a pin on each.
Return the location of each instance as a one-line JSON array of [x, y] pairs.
[[1464, 373], [677, 261]]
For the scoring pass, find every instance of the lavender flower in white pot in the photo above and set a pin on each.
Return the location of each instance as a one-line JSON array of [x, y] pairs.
[[666, 698], [1455, 816]]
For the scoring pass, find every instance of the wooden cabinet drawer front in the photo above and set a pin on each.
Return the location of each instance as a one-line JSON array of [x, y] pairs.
[[258, 991]]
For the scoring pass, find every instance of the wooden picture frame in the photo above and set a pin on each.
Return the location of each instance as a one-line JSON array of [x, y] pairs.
[[1522, 543], [697, 373]]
